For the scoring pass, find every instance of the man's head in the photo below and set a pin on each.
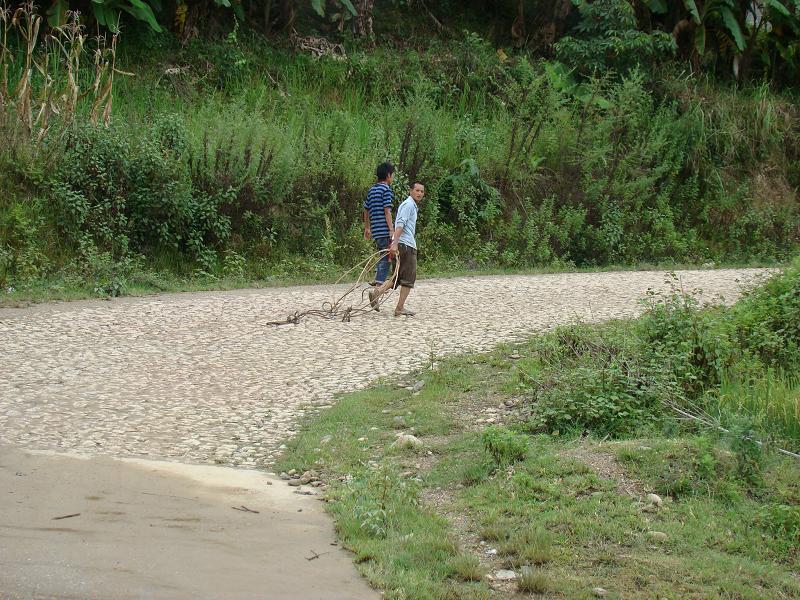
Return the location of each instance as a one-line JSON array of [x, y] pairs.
[[385, 172], [417, 191]]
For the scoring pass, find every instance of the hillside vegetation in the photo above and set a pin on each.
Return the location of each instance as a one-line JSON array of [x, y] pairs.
[[604, 136]]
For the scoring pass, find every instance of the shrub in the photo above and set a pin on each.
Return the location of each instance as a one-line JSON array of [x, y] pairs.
[[123, 196], [693, 344], [616, 399], [766, 321]]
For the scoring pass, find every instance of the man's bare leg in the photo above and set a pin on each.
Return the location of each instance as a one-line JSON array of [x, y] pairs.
[[375, 295], [400, 308]]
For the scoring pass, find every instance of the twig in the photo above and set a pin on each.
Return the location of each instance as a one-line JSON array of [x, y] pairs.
[[314, 555], [243, 508], [67, 516], [169, 496]]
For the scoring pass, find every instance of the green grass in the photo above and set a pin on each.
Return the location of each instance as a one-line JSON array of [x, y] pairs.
[[771, 402], [551, 517]]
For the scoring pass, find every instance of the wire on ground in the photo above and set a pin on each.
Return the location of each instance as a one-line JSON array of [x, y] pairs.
[[342, 307]]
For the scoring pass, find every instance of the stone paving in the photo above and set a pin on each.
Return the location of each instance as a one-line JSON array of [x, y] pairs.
[[199, 377]]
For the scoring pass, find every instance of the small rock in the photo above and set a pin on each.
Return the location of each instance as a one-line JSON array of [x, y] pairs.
[[385, 411], [284, 476], [654, 499], [505, 575], [509, 403], [326, 439], [317, 483], [407, 441], [600, 592], [305, 480], [417, 386], [515, 356], [292, 473], [407, 474], [658, 536], [399, 422], [362, 439], [491, 552], [644, 448], [295, 482]]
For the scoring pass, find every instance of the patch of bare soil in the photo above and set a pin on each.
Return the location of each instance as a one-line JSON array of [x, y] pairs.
[[606, 466]]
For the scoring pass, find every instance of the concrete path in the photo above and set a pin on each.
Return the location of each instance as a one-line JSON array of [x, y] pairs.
[[199, 378], [109, 529]]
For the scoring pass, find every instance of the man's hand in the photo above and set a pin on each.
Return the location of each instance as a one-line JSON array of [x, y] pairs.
[[393, 248], [367, 234]]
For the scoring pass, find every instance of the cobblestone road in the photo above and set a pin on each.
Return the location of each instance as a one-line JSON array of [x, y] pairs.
[[200, 378]]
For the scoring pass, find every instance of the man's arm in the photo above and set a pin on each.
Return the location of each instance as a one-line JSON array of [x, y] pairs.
[[387, 211], [395, 239], [365, 217]]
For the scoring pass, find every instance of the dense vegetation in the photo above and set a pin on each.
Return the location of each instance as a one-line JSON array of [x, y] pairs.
[[216, 141]]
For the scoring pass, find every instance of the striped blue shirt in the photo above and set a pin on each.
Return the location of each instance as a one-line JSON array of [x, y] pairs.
[[379, 197], [407, 219]]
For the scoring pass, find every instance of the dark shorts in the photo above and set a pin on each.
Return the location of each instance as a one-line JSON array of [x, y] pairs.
[[408, 266]]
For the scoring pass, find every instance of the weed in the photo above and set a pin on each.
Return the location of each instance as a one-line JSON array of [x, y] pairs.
[[504, 445], [467, 568], [532, 581], [529, 546]]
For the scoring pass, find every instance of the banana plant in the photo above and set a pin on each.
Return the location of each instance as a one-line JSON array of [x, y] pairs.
[[707, 13], [319, 7], [107, 12]]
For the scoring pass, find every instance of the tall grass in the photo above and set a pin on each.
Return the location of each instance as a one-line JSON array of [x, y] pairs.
[[771, 402]]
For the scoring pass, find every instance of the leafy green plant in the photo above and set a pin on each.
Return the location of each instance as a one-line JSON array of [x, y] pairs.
[[107, 12], [377, 495], [749, 455], [693, 344], [782, 519], [608, 39], [504, 445]]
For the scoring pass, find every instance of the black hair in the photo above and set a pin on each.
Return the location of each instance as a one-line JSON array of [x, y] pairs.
[[384, 170], [415, 184]]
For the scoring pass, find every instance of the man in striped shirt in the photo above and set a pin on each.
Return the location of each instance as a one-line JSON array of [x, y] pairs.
[[378, 218]]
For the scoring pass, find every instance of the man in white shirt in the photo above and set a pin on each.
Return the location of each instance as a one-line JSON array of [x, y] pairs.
[[403, 245]]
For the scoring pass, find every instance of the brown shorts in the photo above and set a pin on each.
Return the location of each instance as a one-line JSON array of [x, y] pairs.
[[408, 266]]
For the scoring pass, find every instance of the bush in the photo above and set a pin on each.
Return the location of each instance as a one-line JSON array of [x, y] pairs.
[[693, 344], [122, 197], [766, 321], [613, 399]]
